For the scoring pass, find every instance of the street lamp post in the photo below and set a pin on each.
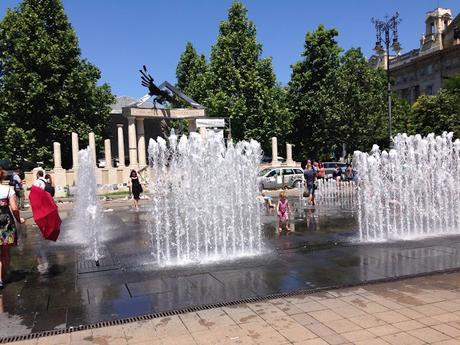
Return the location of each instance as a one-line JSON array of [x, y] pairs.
[[387, 32]]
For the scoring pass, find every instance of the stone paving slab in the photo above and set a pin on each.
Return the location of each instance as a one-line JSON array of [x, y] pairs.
[[424, 310]]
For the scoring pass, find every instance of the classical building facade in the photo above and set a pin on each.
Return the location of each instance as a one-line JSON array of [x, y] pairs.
[[421, 71]]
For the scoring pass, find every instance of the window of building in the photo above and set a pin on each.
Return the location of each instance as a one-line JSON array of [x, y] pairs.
[[429, 90], [432, 28], [416, 92]]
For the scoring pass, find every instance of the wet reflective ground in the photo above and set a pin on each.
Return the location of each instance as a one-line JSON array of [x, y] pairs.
[[53, 286]]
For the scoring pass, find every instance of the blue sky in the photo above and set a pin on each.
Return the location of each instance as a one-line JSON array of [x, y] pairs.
[[120, 36]]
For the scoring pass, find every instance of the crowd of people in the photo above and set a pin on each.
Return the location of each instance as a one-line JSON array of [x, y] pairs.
[[12, 201]]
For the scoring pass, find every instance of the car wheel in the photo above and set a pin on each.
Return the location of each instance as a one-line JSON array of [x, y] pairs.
[[297, 184]]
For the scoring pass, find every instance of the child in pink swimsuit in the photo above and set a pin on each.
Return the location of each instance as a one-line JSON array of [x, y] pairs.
[[283, 212]]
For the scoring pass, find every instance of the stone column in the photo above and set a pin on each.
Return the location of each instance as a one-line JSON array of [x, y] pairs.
[[202, 131], [191, 125], [275, 151], [74, 151], [141, 142], [108, 154], [289, 160], [92, 145], [121, 146], [132, 142], [112, 173], [57, 156], [59, 174]]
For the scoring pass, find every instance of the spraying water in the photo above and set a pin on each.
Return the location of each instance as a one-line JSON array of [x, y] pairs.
[[411, 192], [87, 209], [204, 197]]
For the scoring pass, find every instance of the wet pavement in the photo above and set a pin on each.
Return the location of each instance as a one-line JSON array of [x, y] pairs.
[[54, 286], [416, 311]]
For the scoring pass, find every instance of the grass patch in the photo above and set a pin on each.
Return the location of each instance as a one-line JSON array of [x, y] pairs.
[[119, 193]]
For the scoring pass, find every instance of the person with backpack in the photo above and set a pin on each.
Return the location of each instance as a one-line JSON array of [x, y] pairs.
[[40, 181], [9, 212], [18, 188]]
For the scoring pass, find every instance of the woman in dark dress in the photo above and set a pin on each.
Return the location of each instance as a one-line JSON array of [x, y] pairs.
[[136, 188]]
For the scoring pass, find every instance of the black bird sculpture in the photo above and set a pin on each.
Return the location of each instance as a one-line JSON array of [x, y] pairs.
[[147, 81]]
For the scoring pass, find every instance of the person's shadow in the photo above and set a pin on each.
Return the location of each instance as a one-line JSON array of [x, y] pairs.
[[17, 275]]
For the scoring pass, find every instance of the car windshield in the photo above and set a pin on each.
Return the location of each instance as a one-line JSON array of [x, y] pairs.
[[263, 172]]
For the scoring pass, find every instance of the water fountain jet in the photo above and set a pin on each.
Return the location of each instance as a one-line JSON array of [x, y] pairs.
[[410, 192], [87, 209], [204, 198]]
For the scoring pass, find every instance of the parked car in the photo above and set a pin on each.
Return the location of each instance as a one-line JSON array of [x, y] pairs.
[[329, 168], [268, 159], [275, 178]]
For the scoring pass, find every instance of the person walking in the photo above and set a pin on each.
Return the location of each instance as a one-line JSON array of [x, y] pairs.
[[136, 188], [18, 188], [337, 174], [9, 212], [321, 174], [310, 178], [349, 173], [40, 182], [49, 187]]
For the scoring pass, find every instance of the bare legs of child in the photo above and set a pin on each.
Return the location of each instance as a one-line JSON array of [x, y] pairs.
[[283, 224]]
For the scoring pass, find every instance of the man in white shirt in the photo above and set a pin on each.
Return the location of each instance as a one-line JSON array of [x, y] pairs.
[[40, 181]]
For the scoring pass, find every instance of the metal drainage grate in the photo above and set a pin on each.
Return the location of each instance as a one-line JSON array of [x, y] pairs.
[[106, 263], [212, 306]]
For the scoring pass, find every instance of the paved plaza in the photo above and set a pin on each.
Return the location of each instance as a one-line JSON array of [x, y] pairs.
[[54, 287], [424, 310]]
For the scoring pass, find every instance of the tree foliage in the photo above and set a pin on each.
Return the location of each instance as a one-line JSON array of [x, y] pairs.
[[452, 84], [238, 83], [338, 100], [438, 113], [364, 117], [191, 74], [315, 96], [46, 89]]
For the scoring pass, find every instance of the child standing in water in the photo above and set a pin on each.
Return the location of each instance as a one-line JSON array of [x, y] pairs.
[[283, 212]]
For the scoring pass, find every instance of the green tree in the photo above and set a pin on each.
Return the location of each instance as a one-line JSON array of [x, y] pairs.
[[242, 85], [315, 97], [452, 83], [339, 100], [46, 89], [438, 113], [364, 118], [191, 73]]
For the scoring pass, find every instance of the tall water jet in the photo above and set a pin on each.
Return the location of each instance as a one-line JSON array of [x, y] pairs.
[[413, 191], [87, 209], [204, 198]]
